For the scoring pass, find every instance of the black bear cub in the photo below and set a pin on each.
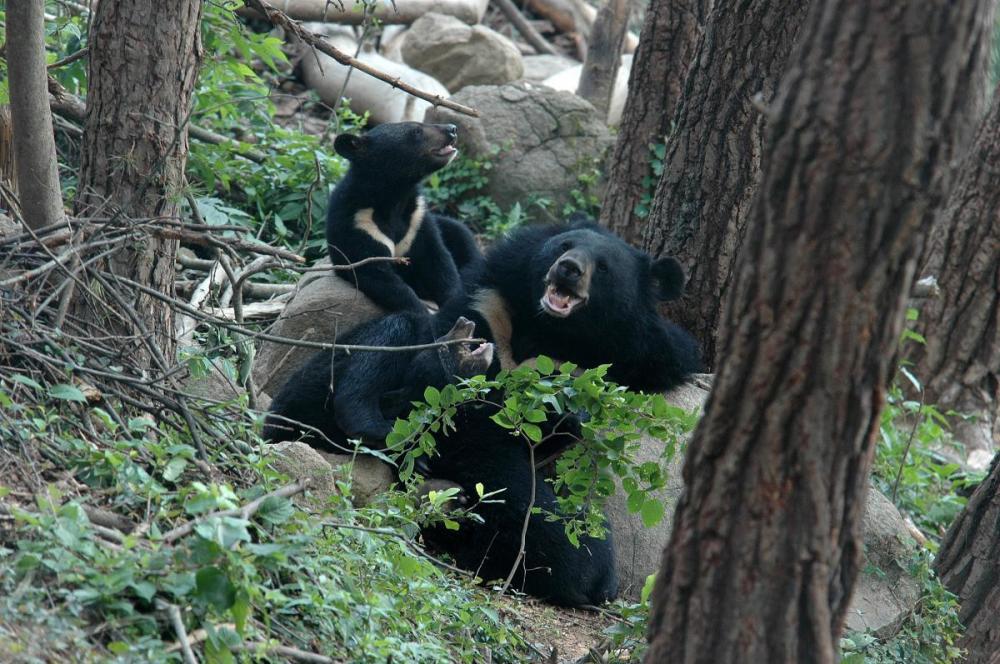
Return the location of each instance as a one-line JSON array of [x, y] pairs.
[[377, 210], [370, 389], [552, 568]]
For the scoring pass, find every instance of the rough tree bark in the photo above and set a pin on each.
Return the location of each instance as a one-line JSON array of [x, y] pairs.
[[960, 363], [712, 165], [604, 54], [143, 66], [670, 33], [968, 564], [766, 544], [34, 144]]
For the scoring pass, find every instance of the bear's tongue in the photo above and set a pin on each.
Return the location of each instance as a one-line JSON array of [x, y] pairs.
[[560, 301]]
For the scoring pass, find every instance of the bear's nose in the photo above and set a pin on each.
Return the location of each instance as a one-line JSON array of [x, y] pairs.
[[451, 130], [569, 269]]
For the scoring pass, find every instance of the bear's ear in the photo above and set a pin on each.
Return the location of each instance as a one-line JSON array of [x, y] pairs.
[[347, 145], [668, 278]]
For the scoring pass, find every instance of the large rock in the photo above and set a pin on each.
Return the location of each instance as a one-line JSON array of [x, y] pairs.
[[325, 308], [537, 68], [385, 103], [884, 592], [459, 55], [638, 549], [569, 80], [546, 139]]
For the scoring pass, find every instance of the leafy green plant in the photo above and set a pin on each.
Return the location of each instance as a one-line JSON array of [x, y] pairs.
[[657, 152], [346, 582], [527, 397]]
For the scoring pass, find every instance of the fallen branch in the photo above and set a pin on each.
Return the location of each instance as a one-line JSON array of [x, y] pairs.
[[288, 341], [264, 648], [244, 512], [279, 18], [526, 30], [174, 613]]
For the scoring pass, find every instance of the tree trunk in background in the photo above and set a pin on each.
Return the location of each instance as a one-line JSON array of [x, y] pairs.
[[604, 55], [960, 363], [144, 60], [766, 544], [670, 34], [968, 564], [712, 165], [34, 144]]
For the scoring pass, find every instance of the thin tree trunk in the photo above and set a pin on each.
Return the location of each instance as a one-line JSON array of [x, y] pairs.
[[604, 54], [712, 165], [968, 564], [960, 363], [766, 544], [670, 33], [34, 142], [143, 67]]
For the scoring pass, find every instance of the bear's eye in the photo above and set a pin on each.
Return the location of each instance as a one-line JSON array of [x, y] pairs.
[[602, 266], [565, 246]]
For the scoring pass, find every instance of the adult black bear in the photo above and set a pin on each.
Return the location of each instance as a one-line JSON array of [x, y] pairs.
[[579, 293], [377, 210], [370, 389], [552, 568]]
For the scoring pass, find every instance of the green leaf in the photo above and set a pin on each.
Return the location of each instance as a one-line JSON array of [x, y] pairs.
[[24, 380], [66, 393], [144, 589], [432, 396], [544, 365], [480, 489], [647, 588], [174, 468], [241, 610], [535, 416], [651, 512], [275, 510], [532, 431], [213, 587]]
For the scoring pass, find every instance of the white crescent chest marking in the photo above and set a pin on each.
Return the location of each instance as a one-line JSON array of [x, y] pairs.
[[364, 221], [491, 306], [416, 221]]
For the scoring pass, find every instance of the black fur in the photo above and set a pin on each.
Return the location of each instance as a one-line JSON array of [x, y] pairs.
[[619, 324], [383, 187], [553, 569], [370, 388]]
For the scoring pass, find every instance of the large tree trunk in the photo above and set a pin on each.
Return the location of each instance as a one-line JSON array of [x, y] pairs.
[[34, 144], [968, 564], [670, 33], [712, 165], [765, 548], [144, 60], [604, 55], [960, 363]]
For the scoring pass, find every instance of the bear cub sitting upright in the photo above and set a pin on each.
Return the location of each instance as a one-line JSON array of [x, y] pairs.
[[377, 210]]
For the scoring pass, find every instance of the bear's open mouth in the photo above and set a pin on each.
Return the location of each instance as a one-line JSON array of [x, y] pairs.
[[560, 302], [447, 151]]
